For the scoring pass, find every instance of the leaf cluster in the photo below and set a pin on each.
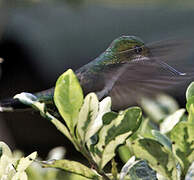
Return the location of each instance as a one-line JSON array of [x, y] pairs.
[[160, 146]]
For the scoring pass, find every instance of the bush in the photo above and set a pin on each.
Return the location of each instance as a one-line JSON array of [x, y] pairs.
[[160, 146]]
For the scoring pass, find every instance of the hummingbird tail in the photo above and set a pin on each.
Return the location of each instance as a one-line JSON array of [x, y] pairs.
[[10, 105]]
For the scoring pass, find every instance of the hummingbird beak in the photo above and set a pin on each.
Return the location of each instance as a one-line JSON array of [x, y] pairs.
[[171, 69], [140, 58]]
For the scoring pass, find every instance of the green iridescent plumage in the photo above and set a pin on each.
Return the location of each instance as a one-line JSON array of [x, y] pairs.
[[126, 70]]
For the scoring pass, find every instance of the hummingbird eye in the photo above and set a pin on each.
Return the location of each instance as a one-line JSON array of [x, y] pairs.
[[138, 49]]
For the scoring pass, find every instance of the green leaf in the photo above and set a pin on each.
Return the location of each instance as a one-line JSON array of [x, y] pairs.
[[128, 165], [25, 162], [190, 101], [6, 161], [182, 138], [158, 157], [191, 114], [190, 91], [26, 98], [88, 113], [124, 153], [144, 130], [160, 177], [31, 100], [190, 173], [169, 122], [5, 150], [73, 167], [68, 98], [128, 120], [109, 150], [36, 172], [161, 138], [108, 117], [141, 171], [158, 108], [96, 123], [20, 176], [115, 133]]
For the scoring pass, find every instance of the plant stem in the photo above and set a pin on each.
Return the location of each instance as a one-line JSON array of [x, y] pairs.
[[104, 176], [101, 172], [91, 161]]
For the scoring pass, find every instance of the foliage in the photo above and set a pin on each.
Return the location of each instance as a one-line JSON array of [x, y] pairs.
[[168, 147], [160, 146], [95, 131], [13, 167]]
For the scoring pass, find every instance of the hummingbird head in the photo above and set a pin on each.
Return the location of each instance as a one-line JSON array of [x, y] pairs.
[[125, 49]]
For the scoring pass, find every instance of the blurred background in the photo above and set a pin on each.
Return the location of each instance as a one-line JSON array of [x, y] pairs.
[[40, 39]]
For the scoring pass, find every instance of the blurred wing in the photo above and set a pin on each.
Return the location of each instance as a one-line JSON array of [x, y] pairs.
[[177, 50], [138, 79]]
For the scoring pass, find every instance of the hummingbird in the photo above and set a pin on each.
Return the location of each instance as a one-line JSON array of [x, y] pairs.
[[126, 71]]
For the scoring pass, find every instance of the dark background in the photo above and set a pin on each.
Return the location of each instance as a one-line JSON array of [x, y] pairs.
[[39, 41]]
